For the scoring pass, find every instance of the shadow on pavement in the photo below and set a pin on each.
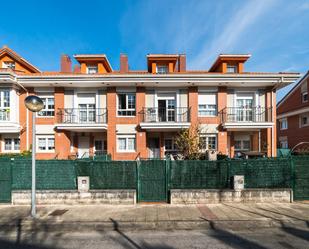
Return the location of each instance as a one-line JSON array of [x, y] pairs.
[[129, 243], [33, 241], [303, 234], [233, 240]]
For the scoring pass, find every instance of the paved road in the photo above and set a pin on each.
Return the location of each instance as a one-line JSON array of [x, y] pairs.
[[286, 238]]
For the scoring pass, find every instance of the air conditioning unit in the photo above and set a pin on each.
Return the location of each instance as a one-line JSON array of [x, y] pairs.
[[211, 155]]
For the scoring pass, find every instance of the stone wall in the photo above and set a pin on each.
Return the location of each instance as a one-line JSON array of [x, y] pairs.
[[208, 196], [46, 197]]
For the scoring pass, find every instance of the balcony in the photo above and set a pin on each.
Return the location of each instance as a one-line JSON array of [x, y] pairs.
[[165, 118], [246, 117], [84, 119]]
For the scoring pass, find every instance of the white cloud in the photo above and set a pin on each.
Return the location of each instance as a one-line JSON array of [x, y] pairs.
[[234, 30]]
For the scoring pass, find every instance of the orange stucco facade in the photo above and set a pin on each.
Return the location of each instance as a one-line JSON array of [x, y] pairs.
[[86, 114]]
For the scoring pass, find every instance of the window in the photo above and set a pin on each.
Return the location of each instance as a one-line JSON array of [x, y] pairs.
[[126, 143], [9, 64], [126, 104], [49, 107], [4, 105], [242, 144], [11, 144], [304, 120], [304, 97], [92, 69], [231, 69], [45, 143], [162, 69], [207, 104], [169, 144], [283, 124], [209, 142]]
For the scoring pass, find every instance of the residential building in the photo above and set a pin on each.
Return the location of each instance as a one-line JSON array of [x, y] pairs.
[[293, 115], [137, 113]]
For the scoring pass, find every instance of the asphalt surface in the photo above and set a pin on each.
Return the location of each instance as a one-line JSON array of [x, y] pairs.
[[286, 238]]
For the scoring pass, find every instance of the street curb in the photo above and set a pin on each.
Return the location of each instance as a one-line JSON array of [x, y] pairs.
[[62, 226]]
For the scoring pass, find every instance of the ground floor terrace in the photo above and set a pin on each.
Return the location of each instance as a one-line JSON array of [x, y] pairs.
[[131, 143]]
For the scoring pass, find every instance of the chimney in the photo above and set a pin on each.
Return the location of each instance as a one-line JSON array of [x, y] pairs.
[[66, 64], [124, 66], [76, 69], [182, 63]]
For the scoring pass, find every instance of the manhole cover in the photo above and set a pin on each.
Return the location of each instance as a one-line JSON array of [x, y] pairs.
[[58, 212]]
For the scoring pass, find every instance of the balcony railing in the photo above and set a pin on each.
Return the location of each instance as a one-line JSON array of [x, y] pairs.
[[244, 114], [155, 115], [82, 116], [4, 114]]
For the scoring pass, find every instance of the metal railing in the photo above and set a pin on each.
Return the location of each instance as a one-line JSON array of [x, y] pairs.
[[4, 114], [82, 116], [156, 115], [246, 114]]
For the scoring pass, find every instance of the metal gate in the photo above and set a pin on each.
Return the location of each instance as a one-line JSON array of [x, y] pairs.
[[5, 181], [152, 181], [300, 169]]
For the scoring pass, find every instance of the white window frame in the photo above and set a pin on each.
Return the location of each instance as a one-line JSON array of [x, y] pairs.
[[46, 137], [91, 67], [242, 148], [5, 64], [163, 71], [301, 120], [12, 150], [126, 137], [46, 97], [174, 147], [231, 66], [4, 109], [127, 103], [207, 109], [302, 97], [207, 136], [283, 121]]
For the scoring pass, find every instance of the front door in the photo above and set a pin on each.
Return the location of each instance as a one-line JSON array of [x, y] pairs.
[[83, 147], [153, 145]]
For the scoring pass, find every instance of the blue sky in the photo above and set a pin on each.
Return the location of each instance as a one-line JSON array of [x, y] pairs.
[[275, 32]]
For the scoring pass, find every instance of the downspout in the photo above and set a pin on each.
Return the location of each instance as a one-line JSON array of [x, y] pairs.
[[281, 80]]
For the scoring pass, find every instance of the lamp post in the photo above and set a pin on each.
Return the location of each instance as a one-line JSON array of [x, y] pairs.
[[33, 104]]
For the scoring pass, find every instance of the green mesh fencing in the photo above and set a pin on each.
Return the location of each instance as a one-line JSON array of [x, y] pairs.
[[50, 174], [108, 174], [263, 173], [301, 177], [197, 175]]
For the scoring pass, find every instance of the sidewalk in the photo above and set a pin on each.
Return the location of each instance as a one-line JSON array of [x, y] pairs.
[[154, 216]]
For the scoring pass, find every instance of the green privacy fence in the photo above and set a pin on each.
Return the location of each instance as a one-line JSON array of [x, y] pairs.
[[108, 175], [50, 174], [148, 176]]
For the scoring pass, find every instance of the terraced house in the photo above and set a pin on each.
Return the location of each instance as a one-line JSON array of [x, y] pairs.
[[137, 113]]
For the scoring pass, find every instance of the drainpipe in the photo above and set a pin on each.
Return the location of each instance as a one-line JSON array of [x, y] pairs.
[[259, 140]]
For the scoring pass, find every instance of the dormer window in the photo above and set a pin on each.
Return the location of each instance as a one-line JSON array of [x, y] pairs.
[[9, 64], [92, 69], [162, 69], [231, 69]]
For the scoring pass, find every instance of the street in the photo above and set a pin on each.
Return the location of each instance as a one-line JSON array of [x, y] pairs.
[[286, 238]]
